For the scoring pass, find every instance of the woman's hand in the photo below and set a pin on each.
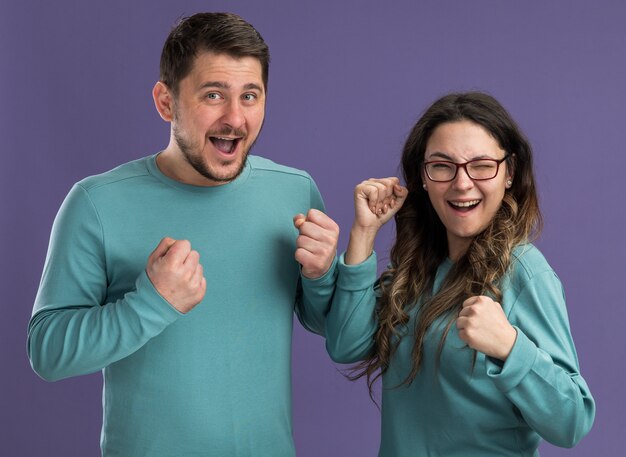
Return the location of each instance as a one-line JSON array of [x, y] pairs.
[[483, 325], [376, 201]]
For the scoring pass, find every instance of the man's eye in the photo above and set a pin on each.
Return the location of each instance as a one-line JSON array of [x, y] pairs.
[[213, 96], [249, 97]]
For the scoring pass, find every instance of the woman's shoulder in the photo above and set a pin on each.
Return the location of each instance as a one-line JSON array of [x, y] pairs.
[[527, 262]]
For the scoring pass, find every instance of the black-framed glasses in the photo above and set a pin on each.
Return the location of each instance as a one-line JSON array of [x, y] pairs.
[[477, 169]]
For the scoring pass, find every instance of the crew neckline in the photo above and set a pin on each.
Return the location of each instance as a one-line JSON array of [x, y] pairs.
[[154, 170]]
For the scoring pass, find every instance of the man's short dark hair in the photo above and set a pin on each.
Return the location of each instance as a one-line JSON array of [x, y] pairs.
[[221, 33]]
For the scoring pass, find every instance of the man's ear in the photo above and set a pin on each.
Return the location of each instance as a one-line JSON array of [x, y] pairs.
[[163, 101]]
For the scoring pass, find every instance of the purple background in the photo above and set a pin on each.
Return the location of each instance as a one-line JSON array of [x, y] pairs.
[[347, 81]]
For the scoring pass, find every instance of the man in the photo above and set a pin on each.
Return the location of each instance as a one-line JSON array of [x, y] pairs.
[[193, 336]]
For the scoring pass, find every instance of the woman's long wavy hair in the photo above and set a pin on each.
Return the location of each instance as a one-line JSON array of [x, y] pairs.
[[421, 242]]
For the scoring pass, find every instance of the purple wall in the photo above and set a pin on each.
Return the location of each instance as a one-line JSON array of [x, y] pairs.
[[348, 79]]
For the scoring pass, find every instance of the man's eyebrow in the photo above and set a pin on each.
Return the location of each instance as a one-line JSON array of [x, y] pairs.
[[214, 84], [253, 86], [226, 86]]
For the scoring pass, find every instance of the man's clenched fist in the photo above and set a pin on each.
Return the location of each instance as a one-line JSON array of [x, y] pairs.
[[316, 246], [175, 271]]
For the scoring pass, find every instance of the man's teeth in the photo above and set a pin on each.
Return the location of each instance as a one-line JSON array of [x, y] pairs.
[[224, 144], [465, 204]]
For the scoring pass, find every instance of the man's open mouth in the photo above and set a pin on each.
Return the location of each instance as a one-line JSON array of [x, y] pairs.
[[223, 144]]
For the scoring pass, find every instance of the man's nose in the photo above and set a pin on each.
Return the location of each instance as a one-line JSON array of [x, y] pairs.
[[233, 115]]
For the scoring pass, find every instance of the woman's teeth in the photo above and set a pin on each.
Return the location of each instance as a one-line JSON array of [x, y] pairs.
[[465, 204]]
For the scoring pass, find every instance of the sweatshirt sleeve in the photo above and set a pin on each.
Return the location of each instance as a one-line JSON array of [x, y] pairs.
[[351, 323], [541, 376], [314, 299], [73, 329], [314, 295]]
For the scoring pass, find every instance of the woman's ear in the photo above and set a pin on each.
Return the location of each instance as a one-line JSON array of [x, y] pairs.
[[510, 169]]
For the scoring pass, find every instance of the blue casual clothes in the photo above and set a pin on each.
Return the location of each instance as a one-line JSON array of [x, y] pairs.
[[217, 380], [495, 409]]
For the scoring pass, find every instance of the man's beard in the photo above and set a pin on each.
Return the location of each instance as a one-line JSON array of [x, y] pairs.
[[197, 162]]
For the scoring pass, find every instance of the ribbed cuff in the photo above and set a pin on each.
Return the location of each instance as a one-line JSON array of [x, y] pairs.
[[327, 278], [517, 365], [152, 297], [359, 276]]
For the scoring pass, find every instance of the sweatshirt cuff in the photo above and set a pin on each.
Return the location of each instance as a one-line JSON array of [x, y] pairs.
[[359, 276], [327, 278], [154, 300], [517, 365]]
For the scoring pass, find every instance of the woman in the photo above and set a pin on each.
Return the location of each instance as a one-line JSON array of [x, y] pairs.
[[468, 326]]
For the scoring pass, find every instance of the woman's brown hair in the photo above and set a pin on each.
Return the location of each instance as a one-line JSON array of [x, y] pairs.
[[421, 242]]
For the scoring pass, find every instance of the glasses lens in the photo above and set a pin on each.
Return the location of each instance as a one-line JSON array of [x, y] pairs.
[[441, 171], [482, 169]]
